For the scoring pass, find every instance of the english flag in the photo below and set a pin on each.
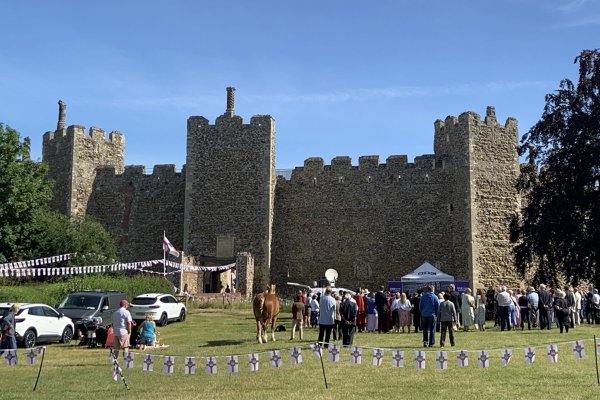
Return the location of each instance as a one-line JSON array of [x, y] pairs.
[[168, 247]]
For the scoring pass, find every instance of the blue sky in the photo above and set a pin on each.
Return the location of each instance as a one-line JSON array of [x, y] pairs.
[[341, 78]]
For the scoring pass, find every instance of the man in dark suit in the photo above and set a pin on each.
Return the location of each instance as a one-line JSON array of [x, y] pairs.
[[382, 310], [348, 312], [545, 307]]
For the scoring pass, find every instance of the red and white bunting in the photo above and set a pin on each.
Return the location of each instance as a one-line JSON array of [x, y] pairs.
[[275, 358], [356, 355], [232, 364], [211, 365], [296, 355], [127, 359], [11, 357], [483, 359], [168, 364], [462, 358], [419, 359], [253, 362], [148, 364], [189, 365], [529, 355], [334, 353], [578, 349], [397, 359], [441, 359], [506, 356], [377, 357], [552, 352]]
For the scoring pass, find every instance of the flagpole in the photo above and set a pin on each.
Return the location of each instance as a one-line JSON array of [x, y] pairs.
[[164, 255]]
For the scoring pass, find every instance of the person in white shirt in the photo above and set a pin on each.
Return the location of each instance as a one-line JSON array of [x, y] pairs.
[[121, 324], [577, 295], [504, 301]]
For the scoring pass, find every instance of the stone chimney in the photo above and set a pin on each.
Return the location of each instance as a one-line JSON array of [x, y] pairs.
[[230, 112], [62, 115]]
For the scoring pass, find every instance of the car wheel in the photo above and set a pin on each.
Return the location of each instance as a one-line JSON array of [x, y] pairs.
[[67, 335], [182, 315], [29, 338], [163, 320]]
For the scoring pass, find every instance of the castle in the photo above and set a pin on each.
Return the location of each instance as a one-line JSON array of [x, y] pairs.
[[372, 223]]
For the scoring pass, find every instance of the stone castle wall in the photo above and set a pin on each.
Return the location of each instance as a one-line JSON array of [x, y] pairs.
[[230, 189], [73, 156], [373, 222], [494, 172], [139, 207]]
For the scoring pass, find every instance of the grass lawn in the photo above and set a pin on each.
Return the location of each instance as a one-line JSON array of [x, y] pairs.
[[72, 372]]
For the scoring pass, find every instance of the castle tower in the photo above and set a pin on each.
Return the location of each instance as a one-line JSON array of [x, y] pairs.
[[481, 158], [73, 157], [230, 187]]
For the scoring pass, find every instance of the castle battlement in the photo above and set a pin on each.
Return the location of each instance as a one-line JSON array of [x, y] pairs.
[[470, 118], [135, 172], [369, 170], [94, 134]]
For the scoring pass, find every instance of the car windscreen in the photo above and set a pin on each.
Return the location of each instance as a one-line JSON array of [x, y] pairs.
[[81, 301], [143, 301]]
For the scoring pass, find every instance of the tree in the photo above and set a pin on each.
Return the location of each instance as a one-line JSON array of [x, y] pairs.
[[558, 230], [24, 189]]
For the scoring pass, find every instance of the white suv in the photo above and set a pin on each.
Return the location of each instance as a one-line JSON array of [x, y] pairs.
[[163, 307], [37, 323]]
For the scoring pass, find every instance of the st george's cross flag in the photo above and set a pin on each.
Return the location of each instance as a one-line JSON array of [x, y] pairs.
[[148, 364], [32, 356], [506, 356], [441, 359], [275, 358], [552, 352], [316, 349], [127, 359], [462, 358], [11, 357], [483, 359], [397, 359], [356, 355], [211, 365], [168, 364], [189, 365], [296, 355], [334, 353], [377, 356], [598, 346], [419, 359], [253, 362], [169, 248], [529, 355], [578, 349], [232, 364]]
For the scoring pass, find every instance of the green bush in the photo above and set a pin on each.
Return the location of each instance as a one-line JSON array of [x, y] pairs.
[[54, 292]]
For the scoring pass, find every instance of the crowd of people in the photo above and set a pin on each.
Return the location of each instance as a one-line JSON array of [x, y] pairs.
[[340, 315]]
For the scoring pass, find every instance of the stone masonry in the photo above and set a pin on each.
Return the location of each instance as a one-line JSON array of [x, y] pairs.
[[372, 223]]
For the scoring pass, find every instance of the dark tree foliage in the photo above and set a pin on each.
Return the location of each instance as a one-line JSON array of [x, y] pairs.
[[23, 190], [558, 231]]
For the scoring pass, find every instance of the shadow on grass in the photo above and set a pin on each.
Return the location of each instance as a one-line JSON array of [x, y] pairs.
[[225, 342]]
